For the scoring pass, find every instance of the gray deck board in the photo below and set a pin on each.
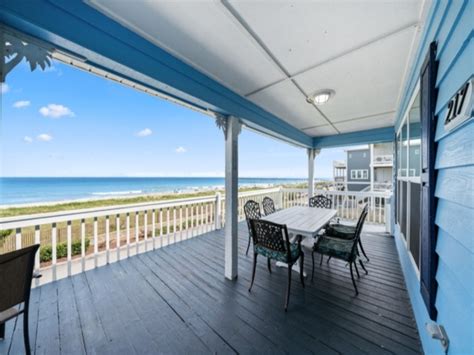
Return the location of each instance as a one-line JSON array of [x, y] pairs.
[[176, 300]]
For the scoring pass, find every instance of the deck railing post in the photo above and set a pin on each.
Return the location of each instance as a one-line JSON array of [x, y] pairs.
[[217, 211], [388, 214], [280, 198]]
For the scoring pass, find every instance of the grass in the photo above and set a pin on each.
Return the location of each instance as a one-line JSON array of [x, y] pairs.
[[69, 206]]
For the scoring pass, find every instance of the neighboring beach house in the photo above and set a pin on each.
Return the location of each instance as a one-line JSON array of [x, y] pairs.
[[366, 169]]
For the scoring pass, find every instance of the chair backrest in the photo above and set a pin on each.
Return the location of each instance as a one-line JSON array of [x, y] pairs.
[[16, 273], [359, 226], [252, 211], [363, 215], [320, 201], [270, 235], [268, 205]]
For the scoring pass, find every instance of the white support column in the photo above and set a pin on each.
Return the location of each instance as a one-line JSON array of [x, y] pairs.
[[231, 129], [312, 153], [372, 170]]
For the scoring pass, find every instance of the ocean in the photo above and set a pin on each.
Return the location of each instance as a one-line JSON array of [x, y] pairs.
[[15, 191]]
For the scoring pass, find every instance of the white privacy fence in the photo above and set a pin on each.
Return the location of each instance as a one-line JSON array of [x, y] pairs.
[[79, 240]]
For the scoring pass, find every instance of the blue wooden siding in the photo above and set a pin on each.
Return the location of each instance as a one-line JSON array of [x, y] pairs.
[[451, 25]]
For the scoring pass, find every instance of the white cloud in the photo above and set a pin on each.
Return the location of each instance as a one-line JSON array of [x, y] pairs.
[[27, 139], [5, 88], [44, 137], [144, 133], [181, 150], [50, 69], [56, 111], [21, 104]]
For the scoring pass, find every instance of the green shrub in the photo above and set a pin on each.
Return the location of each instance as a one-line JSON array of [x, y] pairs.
[[5, 233], [46, 252]]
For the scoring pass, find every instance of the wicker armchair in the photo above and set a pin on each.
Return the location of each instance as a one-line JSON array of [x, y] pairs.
[[320, 201], [343, 231], [252, 211], [343, 249], [16, 273], [271, 240], [268, 206]]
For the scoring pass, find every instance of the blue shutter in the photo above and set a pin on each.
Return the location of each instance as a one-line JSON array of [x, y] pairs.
[[428, 256]]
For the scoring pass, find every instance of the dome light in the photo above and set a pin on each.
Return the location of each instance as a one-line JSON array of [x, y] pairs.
[[320, 97]]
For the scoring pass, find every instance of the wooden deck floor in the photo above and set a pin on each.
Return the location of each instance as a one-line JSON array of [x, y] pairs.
[[176, 300]]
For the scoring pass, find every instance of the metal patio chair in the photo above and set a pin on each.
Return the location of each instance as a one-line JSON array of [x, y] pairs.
[[271, 240], [268, 206], [343, 249], [16, 273], [344, 231], [252, 211], [320, 201]]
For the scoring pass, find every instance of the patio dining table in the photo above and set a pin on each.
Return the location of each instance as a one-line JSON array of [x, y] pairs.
[[307, 221]]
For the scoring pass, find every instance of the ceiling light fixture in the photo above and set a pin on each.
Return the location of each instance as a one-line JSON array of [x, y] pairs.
[[320, 97]]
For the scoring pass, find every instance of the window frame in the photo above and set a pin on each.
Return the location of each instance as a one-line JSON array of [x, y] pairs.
[[359, 174], [409, 179]]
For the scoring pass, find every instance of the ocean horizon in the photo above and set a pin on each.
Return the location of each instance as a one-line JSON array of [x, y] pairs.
[[30, 190]]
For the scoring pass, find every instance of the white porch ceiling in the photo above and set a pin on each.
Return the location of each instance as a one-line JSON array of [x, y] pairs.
[[276, 53]]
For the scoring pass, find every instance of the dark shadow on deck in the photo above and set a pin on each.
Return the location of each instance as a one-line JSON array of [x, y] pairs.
[[176, 300]]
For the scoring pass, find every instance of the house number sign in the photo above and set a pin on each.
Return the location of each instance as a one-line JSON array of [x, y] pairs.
[[460, 107]]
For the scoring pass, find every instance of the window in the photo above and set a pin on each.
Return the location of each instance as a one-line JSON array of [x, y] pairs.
[[408, 176], [359, 174]]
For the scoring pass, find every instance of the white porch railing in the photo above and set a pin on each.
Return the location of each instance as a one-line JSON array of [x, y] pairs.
[[349, 204], [74, 241]]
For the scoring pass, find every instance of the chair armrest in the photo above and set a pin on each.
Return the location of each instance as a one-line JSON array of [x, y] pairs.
[[36, 275], [298, 240]]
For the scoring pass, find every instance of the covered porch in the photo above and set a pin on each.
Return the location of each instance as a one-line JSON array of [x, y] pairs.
[[315, 75], [175, 300]]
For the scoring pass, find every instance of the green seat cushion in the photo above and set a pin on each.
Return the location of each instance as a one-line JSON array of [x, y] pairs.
[[340, 231], [279, 255], [338, 248]]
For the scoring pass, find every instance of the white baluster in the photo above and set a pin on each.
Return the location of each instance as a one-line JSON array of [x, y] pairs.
[[137, 230], [83, 244], [167, 226], [54, 250], [180, 223], [18, 239], [117, 231], [127, 221], [145, 229], [186, 217], [161, 228], [153, 226], [192, 220], [174, 224], [107, 239], [96, 242], [200, 219], [69, 248], [37, 256]]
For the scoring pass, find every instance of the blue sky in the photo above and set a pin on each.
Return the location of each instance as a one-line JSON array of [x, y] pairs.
[[65, 122]]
